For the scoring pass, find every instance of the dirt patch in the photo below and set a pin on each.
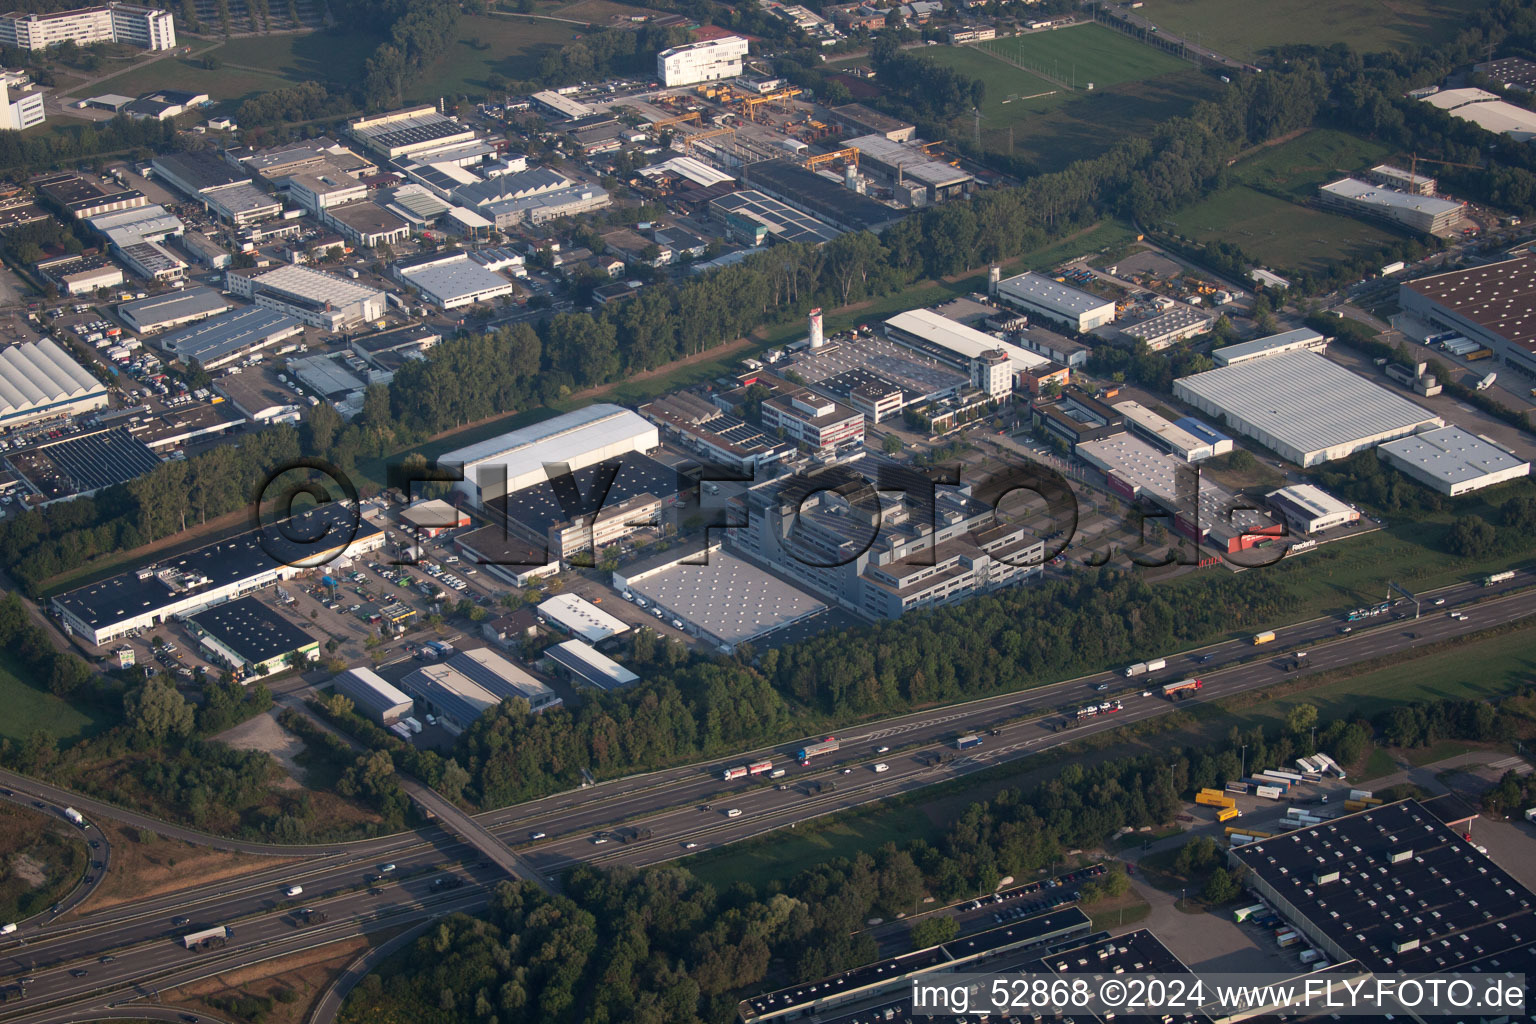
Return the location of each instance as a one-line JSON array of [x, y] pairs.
[[264, 734], [143, 868], [305, 975], [28, 870]]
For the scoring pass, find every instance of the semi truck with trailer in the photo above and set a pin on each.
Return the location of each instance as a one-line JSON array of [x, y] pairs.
[[1141, 668], [1497, 578], [207, 937], [743, 771], [1181, 689], [810, 750]]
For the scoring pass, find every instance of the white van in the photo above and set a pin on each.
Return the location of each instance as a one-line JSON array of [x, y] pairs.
[[294, 890], [9, 929], [882, 768], [734, 812]]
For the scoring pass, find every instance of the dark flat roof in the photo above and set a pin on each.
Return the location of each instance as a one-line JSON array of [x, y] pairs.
[[1137, 952], [216, 565], [800, 187], [252, 630], [538, 508], [198, 170], [1498, 297], [1379, 879]]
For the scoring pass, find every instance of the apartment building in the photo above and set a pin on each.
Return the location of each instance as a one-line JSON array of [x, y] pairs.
[[149, 27]]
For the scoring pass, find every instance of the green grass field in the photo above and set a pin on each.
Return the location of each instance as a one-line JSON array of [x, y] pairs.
[[1245, 28], [486, 45], [1049, 124], [1084, 54], [1299, 166], [1278, 233], [31, 707]]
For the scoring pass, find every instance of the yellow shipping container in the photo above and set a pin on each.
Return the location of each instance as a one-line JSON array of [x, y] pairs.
[[1227, 814], [1206, 800]]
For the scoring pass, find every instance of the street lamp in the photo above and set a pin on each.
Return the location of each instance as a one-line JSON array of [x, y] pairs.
[[1242, 769]]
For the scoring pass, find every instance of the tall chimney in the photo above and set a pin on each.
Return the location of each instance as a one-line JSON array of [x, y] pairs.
[[817, 340]]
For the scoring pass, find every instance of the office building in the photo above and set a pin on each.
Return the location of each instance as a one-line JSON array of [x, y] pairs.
[[1308, 509], [1453, 461], [514, 461], [250, 637], [373, 696], [1424, 214], [824, 426], [1076, 416], [309, 296], [1303, 406], [967, 350], [1041, 296], [1403, 181], [39, 380], [23, 111], [708, 61], [148, 27]]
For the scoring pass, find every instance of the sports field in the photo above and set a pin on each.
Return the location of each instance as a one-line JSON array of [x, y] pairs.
[[1278, 233], [1244, 29], [1297, 167], [1050, 124]]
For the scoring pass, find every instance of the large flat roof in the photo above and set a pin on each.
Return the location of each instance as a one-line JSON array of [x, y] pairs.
[[966, 342], [591, 665], [313, 285], [1498, 297], [172, 307], [540, 507], [558, 439], [1486, 110], [456, 279], [781, 219], [1053, 295], [1282, 342], [914, 163], [252, 630], [729, 598], [1388, 199], [827, 199], [1311, 499], [1305, 400], [582, 618], [1175, 436], [1453, 455], [1401, 892], [197, 170], [232, 332], [1165, 479], [220, 564], [37, 374]]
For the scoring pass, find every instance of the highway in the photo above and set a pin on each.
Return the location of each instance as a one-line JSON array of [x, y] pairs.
[[142, 940]]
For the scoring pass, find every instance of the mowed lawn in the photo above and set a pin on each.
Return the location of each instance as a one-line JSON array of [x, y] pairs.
[[1297, 167], [30, 707], [1051, 126], [1244, 29], [1276, 232], [511, 45], [1084, 54]]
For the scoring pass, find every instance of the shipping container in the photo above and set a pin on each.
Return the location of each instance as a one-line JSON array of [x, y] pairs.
[[1269, 792], [1240, 788], [1242, 914], [1228, 813], [1207, 800]]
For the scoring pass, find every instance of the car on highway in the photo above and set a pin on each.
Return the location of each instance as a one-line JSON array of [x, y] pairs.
[[734, 812], [181, 921], [847, 771], [598, 840], [78, 972], [1346, 629], [105, 959], [386, 868], [690, 846], [1205, 658], [294, 890], [536, 835], [882, 750], [1439, 601], [1100, 687]]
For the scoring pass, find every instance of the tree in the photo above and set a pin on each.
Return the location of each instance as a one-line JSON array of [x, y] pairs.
[[1471, 537], [933, 931], [1220, 887], [1301, 719], [891, 444], [156, 711]]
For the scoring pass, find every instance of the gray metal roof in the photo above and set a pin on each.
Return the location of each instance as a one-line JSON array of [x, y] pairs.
[[1452, 455], [559, 439], [35, 374], [1053, 295], [1273, 343], [213, 339], [172, 307], [1305, 400]]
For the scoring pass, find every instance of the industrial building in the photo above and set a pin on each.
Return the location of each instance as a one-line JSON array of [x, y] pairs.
[[581, 618], [918, 178], [1424, 214], [365, 224], [148, 27], [373, 696], [1510, 72], [827, 200], [881, 552], [1039, 295], [721, 438], [875, 376], [1308, 509], [140, 599], [1202, 511], [861, 120], [724, 600], [506, 556], [231, 337], [1403, 181], [1487, 111], [1453, 461], [309, 296], [586, 664], [1169, 328], [455, 280], [172, 309], [242, 205], [39, 380], [1302, 406], [1076, 416], [80, 274], [751, 218], [1396, 890], [248, 636], [404, 132], [593, 507], [1274, 344], [823, 426], [709, 61], [1058, 929], [514, 461], [151, 261], [469, 683], [966, 349], [1491, 304], [1163, 433], [195, 172], [434, 517], [83, 198]]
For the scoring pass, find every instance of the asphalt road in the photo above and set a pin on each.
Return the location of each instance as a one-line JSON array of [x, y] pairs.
[[670, 803]]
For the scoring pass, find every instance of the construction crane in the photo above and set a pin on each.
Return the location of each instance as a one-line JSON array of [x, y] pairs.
[[713, 133], [668, 122], [1414, 166], [847, 156], [749, 106]]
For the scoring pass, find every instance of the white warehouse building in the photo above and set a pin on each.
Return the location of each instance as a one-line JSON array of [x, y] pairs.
[[1453, 461], [1304, 407], [1042, 296], [513, 462], [708, 61], [1309, 509]]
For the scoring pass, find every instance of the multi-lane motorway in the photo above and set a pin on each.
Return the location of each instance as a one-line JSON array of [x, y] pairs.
[[683, 808]]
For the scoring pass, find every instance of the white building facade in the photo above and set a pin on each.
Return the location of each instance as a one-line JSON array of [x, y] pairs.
[[708, 61]]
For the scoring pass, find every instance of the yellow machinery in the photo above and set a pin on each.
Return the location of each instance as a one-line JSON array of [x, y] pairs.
[[750, 104], [713, 133], [668, 122], [846, 156]]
